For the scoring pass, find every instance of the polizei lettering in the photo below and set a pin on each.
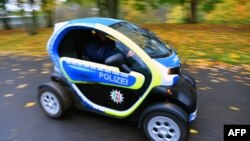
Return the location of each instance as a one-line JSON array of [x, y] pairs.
[[113, 78]]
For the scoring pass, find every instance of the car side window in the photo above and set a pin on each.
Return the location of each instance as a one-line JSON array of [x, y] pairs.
[[100, 47], [133, 61]]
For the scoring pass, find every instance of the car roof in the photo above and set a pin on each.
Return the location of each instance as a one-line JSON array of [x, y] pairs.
[[93, 21]]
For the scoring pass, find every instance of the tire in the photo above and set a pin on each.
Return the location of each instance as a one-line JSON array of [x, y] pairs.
[[54, 100], [163, 126]]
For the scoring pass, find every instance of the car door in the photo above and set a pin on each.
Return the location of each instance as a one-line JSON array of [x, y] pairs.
[[106, 86]]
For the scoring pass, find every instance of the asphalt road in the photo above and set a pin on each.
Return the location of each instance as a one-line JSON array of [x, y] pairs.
[[223, 94]]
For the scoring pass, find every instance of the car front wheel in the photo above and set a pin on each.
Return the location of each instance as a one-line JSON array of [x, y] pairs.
[[163, 126]]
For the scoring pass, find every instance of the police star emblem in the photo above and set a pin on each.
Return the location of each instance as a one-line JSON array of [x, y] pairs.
[[116, 96]]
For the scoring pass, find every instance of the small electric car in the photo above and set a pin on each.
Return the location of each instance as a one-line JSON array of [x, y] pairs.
[[146, 86]]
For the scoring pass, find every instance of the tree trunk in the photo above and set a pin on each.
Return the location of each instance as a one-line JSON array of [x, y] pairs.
[[193, 10], [48, 7], [32, 29], [5, 21], [113, 8], [50, 15], [4, 18], [34, 23], [100, 6], [108, 8]]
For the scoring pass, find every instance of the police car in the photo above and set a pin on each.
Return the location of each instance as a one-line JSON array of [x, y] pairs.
[[148, 86]]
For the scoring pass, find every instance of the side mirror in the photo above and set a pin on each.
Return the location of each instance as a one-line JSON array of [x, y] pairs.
[[115, 60]]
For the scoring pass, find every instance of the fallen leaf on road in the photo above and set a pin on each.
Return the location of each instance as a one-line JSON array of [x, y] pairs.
[[32, 70], [15, 65], [205, 88], [193, 131], [234, 108], [15, 69], [247, 84], [30, 104], [23, 73], [215, 81], [44, 72], [8, 95], [222, 79], [21, 86], [20, 77], [46, 65]]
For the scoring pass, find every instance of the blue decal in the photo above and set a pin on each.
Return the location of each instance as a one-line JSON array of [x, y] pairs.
[[85, 73], [93, 21], [175, 79], [58, 36], [56, 40], [170, 61]]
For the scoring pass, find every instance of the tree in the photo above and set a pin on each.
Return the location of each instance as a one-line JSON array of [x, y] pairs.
[[31, 23], [3, 14], [193, 14], [189, 5], [48, 7], [108, 8], [34, 22], [209, 5], [230, 11], [142, 5]]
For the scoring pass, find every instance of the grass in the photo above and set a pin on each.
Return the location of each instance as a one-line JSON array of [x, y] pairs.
[[228, 44], [193, 42], [18, 42]]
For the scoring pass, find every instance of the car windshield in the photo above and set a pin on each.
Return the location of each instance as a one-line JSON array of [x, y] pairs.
[[145, 39]]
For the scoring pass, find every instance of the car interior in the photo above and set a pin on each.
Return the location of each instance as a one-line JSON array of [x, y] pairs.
[[73, 43]]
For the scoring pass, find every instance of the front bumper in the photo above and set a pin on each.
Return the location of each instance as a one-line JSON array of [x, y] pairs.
[[184, 95], [193, 115]]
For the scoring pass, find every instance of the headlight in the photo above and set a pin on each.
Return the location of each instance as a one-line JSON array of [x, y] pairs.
[[175, 70]]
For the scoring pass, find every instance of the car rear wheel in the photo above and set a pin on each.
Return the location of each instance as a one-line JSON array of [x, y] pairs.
[[54, 101]]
